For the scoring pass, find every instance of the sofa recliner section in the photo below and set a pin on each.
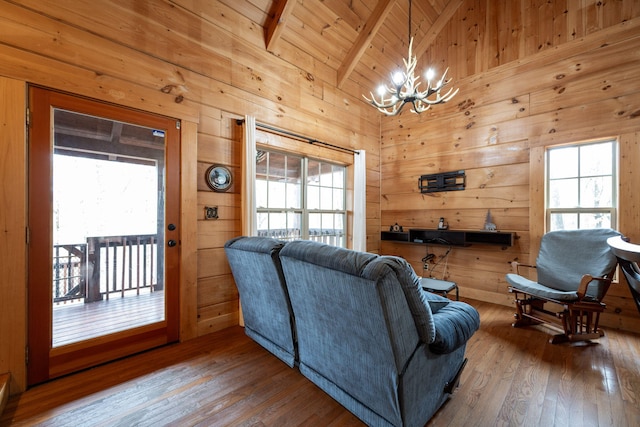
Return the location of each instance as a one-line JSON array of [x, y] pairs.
[[368, 335], [264, 297]]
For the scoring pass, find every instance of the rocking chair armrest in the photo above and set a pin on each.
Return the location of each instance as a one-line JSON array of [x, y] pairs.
[[515, 266], [584, 283]]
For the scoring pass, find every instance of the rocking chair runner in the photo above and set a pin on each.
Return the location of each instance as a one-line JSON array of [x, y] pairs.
[[628, 255], [574, 270]]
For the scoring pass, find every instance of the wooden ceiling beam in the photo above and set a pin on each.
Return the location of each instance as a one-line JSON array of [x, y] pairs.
[[447, 13], [283, 9], [367, 33]]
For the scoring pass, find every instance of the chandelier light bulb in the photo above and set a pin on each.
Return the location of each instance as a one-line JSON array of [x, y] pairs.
[[398, 78], [430, 74]]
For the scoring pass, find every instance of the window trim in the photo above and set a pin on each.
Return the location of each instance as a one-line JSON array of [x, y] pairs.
[[304, 211], [613, 210]]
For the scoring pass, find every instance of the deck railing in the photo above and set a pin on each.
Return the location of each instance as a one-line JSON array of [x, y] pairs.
[[334, 237], [105, 267], [69, 272]]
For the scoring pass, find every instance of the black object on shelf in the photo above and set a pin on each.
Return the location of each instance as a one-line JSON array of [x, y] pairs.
[[446, 181]]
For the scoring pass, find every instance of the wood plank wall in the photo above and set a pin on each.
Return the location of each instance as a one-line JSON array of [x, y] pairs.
[[13, 222], [531, 75], [204, 63]]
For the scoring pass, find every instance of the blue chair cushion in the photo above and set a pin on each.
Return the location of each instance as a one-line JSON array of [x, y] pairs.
[[535, 288]]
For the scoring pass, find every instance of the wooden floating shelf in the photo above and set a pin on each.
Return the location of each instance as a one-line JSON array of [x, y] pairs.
[[450, 237]]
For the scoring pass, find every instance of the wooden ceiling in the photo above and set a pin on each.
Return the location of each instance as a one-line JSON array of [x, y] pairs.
[[362, 40]]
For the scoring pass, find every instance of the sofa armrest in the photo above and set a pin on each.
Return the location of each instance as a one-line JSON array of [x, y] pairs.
[[455, 324]]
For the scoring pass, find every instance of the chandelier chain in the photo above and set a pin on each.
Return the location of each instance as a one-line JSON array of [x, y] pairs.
[[409, 32]]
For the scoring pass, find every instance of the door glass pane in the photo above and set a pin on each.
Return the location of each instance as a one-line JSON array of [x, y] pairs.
[[108, 227]]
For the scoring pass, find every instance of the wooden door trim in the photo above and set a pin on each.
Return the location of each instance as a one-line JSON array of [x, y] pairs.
[[39, 167], [40, 170], [86, 356]]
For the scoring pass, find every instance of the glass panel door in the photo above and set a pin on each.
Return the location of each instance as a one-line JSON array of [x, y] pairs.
[[104, 208]]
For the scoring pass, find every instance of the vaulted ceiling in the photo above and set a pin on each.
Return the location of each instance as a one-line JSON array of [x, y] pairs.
[[361, 40]]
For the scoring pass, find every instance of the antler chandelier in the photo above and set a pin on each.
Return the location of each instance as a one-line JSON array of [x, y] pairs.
[[404, 88]]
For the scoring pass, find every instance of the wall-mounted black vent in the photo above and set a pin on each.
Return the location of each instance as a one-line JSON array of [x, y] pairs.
[[446, 181]]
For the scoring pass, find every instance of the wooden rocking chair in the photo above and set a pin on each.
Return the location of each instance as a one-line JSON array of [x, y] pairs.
[[574, 269], [628, 256]]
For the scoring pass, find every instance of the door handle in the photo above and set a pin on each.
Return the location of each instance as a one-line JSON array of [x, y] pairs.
[[171, 243]]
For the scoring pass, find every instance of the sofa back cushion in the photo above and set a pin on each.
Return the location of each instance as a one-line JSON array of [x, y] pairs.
[[264, 297]]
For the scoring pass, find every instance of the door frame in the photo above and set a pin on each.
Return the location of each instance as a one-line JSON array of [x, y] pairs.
[[43, 362]]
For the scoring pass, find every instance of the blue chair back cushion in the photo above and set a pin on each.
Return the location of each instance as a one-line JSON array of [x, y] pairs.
[[566, 255]]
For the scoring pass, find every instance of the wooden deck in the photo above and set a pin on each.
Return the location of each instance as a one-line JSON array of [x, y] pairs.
[[75, 322], [514, 378]]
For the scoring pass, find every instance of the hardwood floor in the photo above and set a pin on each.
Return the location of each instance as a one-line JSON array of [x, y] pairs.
[[514, 377]]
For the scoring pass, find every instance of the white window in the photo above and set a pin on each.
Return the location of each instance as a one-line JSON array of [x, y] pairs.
[[581, 186], [300, 198]]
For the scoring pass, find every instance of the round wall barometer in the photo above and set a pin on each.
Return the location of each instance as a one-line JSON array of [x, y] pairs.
[[218, 178]]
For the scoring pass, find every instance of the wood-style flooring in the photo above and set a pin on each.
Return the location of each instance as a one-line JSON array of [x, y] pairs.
[[514, 378]]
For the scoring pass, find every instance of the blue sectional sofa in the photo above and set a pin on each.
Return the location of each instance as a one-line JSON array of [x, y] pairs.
[[366, 333]]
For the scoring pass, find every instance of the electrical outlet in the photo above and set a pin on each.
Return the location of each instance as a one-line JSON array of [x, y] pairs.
[[210, 212]]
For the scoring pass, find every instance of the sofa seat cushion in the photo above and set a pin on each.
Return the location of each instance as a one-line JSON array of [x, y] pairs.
[[455, 324], [536, 289]]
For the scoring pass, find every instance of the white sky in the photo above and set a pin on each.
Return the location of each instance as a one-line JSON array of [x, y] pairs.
[[102, 198]]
